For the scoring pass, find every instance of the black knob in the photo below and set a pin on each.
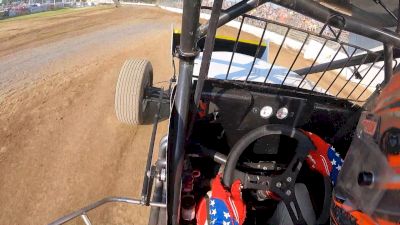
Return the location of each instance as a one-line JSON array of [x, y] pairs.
[[365, 178]]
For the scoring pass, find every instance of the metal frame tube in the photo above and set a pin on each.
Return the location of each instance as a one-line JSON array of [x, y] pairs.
[[235, 47], [372, 80], [86, 219], [159, 185], [103, 201], [190, 22], [337, 64], [147, 181], [365, 74], [295, 59], [323, 73], [257, 51], [208, 49], [352, 75], [356, 60], [341, 70], [277, 55], [388, 53], [312, 65]]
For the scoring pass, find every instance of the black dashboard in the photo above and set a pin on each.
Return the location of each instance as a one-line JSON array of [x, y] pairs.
[[241, 107]]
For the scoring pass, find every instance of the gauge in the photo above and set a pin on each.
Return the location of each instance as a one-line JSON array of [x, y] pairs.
[[282, 113], [266, 112]]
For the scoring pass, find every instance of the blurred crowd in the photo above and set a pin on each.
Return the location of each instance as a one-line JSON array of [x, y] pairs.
[[14, 9], [23, 8], [271, 12], [279, 14]]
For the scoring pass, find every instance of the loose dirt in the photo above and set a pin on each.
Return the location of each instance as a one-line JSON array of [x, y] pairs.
[[61, 146]]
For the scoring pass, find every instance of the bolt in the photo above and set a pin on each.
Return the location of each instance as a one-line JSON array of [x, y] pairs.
[[255, 110], [279, 184], [288, 192], [289, 179]]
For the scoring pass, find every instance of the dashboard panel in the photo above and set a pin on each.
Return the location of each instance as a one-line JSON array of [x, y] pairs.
[[241, 108]]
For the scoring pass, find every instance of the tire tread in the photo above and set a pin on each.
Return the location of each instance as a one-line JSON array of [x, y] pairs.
[[129, 90]]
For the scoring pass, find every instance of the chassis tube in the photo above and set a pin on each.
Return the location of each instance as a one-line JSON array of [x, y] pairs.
[[190, 22], [158, 195], [388, 51], [338, 64], [176, 158], [356, 60]]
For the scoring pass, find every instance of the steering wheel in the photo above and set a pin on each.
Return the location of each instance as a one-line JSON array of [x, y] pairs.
[[282, 185]]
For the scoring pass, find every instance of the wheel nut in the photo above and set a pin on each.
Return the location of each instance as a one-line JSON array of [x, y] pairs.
[[289, 179], [279, 184], [288, 192]]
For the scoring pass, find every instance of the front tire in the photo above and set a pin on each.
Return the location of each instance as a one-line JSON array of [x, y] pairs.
[[135, 76]]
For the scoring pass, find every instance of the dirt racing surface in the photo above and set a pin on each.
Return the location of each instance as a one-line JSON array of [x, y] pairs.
[[61, 146]]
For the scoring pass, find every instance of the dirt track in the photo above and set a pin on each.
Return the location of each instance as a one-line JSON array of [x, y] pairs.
[[61, 146]]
